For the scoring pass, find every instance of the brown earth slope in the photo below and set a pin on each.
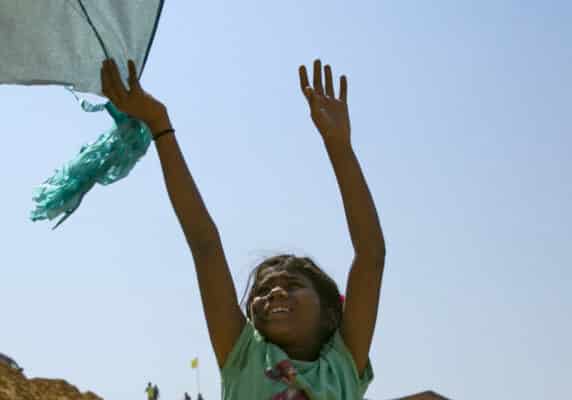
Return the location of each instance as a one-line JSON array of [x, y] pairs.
[[15, 386]]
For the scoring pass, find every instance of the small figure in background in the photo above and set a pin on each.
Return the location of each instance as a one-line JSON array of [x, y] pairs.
[[150, 392]]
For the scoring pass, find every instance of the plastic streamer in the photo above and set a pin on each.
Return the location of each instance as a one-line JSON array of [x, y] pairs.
[[108, 159]]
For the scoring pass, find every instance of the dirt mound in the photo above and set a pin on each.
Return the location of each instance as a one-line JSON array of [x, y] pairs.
[[15, 386]]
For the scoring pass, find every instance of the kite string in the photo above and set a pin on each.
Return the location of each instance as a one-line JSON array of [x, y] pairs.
[[94, 29]]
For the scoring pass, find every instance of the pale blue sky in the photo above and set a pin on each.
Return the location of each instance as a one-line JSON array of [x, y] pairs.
[[461, 121]]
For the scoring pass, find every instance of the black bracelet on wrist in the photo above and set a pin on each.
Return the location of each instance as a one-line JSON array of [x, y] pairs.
[[162, 133]]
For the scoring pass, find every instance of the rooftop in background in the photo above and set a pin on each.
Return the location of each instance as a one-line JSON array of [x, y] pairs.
[[427, 395]]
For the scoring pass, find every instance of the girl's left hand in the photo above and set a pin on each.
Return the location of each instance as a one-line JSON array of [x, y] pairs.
[[133, 100], [330, 114]]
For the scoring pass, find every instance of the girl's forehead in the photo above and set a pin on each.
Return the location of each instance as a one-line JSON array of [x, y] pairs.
[[273, 273]]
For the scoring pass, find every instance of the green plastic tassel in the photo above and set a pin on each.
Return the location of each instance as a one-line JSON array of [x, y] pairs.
[[107, 160]]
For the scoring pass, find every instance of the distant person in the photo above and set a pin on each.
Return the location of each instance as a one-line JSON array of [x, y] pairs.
[[150, 391], [200, 397], [187, 397], [298, 339], [155, 393]]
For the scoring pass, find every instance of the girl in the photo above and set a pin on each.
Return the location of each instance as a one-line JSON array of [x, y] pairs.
[[299, 338]]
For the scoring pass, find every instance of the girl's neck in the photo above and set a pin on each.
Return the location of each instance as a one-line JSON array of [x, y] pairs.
[[302, 351]]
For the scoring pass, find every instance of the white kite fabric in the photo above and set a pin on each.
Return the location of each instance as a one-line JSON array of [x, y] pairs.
[[64, 42]]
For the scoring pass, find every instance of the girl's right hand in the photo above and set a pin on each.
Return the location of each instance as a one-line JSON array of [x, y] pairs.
[[133, 101]]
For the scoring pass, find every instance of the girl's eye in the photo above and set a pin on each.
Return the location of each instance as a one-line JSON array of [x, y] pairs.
[[262, 290]]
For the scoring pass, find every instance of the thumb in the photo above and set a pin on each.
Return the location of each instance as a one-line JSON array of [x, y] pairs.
[[313, 100]]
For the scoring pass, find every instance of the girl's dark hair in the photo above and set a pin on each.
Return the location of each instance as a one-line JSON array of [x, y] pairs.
[[331, 305]]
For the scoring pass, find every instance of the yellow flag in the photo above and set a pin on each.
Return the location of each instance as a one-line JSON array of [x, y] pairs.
[[195, 363]]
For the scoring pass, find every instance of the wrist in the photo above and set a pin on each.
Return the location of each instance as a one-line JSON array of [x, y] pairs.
[[157, 135], [337, 144], [161, 123]]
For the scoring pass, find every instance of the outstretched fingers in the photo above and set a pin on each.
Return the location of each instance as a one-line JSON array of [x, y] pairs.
[[329, 81], [304, 83], [120, 90], [344, 89], [133, 79], [106, 83], [111, 82], [318, 88]]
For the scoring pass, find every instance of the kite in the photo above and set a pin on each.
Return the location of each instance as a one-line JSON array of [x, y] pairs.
[[64, 42]]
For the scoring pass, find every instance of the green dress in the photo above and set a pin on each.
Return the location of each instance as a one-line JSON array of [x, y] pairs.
[[257, 369]]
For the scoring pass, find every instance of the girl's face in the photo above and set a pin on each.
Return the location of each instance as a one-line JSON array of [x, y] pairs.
[[286, 308]]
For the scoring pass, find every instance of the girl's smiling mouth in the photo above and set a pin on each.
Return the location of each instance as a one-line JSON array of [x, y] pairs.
[[277, 312]]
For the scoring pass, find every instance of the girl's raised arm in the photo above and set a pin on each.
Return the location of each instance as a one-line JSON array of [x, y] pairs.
[[331, 117], [222, 310]]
